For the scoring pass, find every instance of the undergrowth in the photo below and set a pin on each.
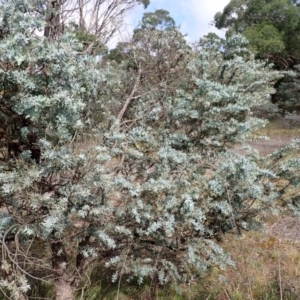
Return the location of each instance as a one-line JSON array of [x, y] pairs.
[[267, 267]]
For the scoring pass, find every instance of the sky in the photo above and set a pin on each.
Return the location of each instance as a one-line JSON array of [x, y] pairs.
[[193, 16]]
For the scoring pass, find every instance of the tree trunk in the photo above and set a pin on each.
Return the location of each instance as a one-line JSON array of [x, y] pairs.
[[23, 297], [53, 27], [64, 291], [62, 281], [81, 5]]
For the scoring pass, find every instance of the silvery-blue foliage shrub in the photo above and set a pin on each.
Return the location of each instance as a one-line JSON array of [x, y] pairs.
[[155, 187]]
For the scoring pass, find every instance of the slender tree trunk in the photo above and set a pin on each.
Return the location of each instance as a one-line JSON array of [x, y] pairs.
[[131, 96], [53, 26], [81, 15], [64, 290], [23, 297]]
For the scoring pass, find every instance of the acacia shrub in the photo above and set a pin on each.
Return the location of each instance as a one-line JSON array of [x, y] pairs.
[[140, 200]]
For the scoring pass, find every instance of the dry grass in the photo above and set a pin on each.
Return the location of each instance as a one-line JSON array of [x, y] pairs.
[[267, 261], [267, 268], [278, 128], [279, 136]]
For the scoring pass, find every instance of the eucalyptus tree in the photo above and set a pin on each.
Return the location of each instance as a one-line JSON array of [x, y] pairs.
[[156, 189], [272, 29], [158, 20], [154, 58], [101, 18]]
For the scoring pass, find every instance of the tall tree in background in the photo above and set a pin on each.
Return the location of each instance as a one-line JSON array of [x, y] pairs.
[[158, 20], [100, 18], [156, 56], [273, 31], [271, 27]]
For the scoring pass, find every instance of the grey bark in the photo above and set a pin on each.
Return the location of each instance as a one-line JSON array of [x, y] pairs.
[[62, 281], [53, 24]]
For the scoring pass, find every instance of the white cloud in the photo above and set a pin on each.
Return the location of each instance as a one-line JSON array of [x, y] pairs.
[[202, 12], [193, 16]]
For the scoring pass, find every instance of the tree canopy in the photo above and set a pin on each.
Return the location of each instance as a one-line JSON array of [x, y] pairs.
[[272, 27]]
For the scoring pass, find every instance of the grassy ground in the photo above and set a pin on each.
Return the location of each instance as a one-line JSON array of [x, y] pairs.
[[279, 136], [267, 268]]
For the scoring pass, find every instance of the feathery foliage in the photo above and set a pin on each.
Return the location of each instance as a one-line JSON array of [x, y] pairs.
[[158, 189]]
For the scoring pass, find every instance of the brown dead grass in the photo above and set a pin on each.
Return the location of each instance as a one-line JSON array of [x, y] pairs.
[[278, 136], [267, 261], [267, 266]]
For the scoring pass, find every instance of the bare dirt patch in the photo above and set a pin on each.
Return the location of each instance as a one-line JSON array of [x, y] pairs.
[[286, 229], [265, 147]]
